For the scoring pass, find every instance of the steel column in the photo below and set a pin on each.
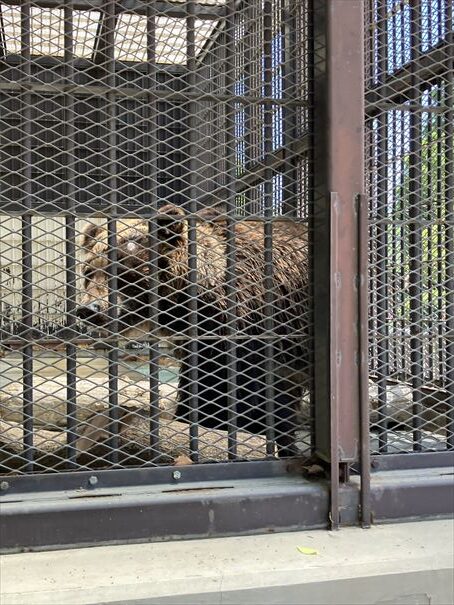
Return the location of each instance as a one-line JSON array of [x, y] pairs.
[[339, 99]]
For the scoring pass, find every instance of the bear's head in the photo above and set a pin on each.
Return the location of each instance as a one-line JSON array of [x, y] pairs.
[[137, 270]]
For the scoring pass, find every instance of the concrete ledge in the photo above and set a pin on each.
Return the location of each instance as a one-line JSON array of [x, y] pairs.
[[409, 563]]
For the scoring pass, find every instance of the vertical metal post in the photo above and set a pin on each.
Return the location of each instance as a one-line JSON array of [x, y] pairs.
[[231, 283], [193, 360], [382, 240], [153, 254], [339, 166], [311, 184], [441, 235], [427, 251], [334, 361], [290, 117], [27, 246], [415, 233], [449, 193], [250, 110], [112, 243], [70, 243], [268, 230], [363, 314], [403, 256]]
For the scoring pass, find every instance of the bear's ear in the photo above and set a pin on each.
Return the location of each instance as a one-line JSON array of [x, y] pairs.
[[171, 224], [91, 235]]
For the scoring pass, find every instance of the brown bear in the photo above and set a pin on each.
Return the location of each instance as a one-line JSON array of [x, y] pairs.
[[265, 360]]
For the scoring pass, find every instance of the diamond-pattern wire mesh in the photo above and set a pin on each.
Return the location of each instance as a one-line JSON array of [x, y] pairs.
[[410, 103], [154, 216]]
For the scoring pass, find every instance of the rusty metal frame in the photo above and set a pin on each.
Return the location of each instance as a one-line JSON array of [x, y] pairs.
[[149, 505], [339, 99]]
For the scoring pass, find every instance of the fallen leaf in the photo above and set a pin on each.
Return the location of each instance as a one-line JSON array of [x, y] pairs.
[[182, 460], [306, 550]]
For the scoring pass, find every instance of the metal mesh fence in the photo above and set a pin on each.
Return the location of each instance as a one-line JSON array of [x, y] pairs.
[[409, 77], [155, 203]]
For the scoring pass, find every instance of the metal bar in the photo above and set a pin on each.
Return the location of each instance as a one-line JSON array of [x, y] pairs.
[[139, 7], [363, 366], [108, 58], [113, 478], [193, 359], [321, 261], [244, 507], [290, 117], [430, 266], [407, 461], [56, 64], [336, 318], [159, 95], [70, 243], [153, 259], [27, 246], [338, 168], [428, 66], [423, 493], [268, 280], [401, 226], [231, 281], [371, 144], [100, 210], [382, 285], [409, 107], [311, 188], [415, 237], [393, 250], [390, 21], [449, 196], [441, 234], [338, 127], [345, 176], [247, 50]]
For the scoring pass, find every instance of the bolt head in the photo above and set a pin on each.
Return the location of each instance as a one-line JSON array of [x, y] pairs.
[[93, 480], [176, 475], [4, 485]]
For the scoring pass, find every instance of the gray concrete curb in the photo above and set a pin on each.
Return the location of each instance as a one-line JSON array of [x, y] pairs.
[[399, 564]]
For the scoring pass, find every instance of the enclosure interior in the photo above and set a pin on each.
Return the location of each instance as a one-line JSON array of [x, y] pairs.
[[410, 186], [109, 112]]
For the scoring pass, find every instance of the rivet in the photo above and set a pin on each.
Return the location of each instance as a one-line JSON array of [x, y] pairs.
[[93, 480], [4, 485], [176, 475]]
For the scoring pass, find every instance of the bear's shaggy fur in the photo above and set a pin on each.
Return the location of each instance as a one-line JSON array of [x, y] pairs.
[[219, 335]]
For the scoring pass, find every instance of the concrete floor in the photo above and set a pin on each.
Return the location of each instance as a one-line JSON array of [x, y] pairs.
[[409, 563]]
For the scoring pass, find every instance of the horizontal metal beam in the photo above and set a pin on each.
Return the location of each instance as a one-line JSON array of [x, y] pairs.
[[119, 479], [138, 505], [148, 513], [139, 92], [202, 11], [102, 210], [427, 67], [85, 66], [409, 461], [412, 494], [255, 172]]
